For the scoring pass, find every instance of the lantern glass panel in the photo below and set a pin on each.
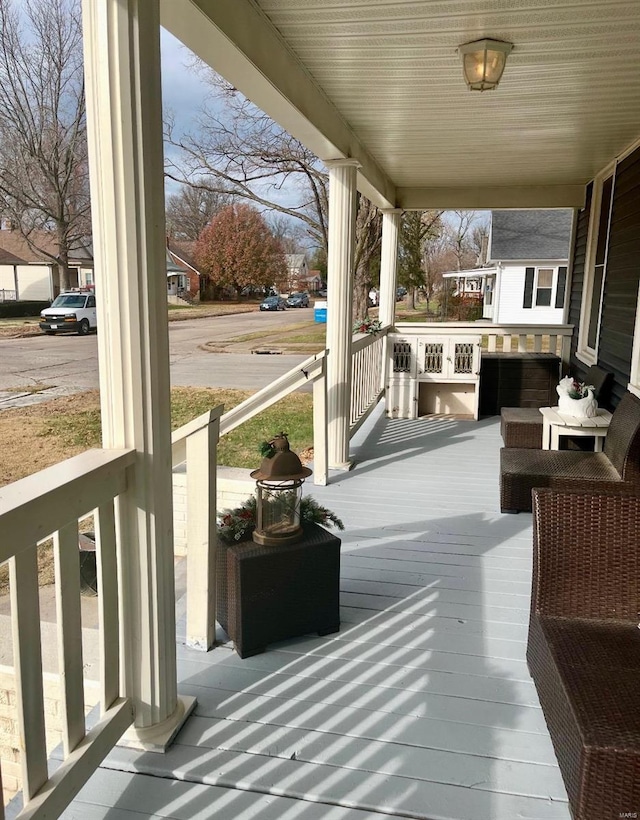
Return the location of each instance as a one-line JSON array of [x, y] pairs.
[[279, 509]]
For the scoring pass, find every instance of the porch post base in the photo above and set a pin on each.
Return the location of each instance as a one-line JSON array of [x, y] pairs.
[[343, 466], [159, 737]]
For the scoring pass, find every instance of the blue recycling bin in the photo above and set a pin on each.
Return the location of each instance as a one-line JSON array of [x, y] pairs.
[[320, 312]]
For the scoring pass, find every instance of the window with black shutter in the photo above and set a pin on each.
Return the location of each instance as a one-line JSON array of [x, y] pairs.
[[529, 276], [561, 287], [544, 287]]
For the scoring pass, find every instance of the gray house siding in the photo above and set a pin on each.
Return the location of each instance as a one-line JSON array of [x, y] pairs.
[[621, 280], [577, 280], [622, 277]]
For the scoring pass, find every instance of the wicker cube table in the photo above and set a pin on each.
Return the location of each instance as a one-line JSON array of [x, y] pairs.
[[521, 427], [268, 594]]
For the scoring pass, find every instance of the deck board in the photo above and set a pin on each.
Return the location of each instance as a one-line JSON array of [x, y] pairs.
[[421, 706]]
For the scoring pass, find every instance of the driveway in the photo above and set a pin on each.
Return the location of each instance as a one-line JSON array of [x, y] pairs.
[[62, 365]]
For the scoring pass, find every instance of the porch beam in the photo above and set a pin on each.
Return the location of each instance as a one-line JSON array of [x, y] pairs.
[[124, 118], [389, 266], [487, 196], [238, 40], [340, 260]]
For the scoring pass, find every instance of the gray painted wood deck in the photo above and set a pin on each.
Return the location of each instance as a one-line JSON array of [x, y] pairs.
[[421, 706]]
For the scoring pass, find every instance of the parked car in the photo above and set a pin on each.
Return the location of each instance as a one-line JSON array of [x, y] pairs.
[[322, 293], [273, 303], [299, 300], [70, 312], [401, 292]]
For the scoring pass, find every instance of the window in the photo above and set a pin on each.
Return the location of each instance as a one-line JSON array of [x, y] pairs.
[[544, 287], [596, 266]]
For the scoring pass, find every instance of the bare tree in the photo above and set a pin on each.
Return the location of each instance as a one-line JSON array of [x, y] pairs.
[[191, 209], [418, 230], [292, 236], [480, 241], [44, 178], [246, 153], [460, 233], [368, 240]]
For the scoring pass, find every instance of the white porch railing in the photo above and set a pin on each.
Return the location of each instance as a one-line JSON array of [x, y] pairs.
[[506, 338], [196, 444], [46, 504], [367, 375]]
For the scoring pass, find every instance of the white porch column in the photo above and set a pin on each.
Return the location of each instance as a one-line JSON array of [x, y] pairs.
[[389, 266], [342, 223], [122, 69]]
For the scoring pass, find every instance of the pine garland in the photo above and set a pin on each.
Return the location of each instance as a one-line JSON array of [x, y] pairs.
[[238, 524]]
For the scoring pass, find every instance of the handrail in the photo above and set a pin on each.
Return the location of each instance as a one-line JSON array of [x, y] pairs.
[[61, 493], [474, 328], [49, 503], [528, 338], [363, 340], [367, 376], [179, 437], [304, 373]]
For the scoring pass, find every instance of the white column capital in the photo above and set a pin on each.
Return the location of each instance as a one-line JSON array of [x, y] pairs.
[[392, 211], [345, 162]]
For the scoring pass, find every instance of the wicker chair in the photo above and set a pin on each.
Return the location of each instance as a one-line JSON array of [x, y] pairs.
[[522, 426], [584, 646], [618, 466]]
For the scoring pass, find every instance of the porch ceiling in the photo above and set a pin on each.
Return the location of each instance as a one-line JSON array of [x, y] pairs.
[[380, 80]]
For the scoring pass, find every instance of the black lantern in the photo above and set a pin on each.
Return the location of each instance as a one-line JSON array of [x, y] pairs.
[[279, 492]]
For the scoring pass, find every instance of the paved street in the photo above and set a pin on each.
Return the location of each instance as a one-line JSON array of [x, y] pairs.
[[69, 364]]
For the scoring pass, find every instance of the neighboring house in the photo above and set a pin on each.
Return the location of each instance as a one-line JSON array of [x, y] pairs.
[[30, 275], [312, 282], [526, 277], [183, 278], [470, 284], [524, 280], [297, 271]]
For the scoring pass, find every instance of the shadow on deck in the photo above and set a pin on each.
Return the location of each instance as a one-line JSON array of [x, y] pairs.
[[421, 706]]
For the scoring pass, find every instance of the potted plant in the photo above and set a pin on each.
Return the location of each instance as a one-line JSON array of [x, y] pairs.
[[577, 398]]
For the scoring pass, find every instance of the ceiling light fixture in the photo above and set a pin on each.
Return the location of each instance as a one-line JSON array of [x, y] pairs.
[[483, 62]]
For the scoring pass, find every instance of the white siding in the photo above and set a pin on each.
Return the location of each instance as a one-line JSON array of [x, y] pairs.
[[85, 277], [34, 283], [7, 279], [511, 297]]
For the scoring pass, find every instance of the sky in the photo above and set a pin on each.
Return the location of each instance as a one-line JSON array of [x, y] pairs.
[[183, 92]]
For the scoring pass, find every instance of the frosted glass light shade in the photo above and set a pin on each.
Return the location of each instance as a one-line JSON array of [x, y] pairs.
[[483, 62]]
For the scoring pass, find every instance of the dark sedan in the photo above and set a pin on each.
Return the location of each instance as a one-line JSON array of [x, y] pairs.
[[273, 303], [298, 300]]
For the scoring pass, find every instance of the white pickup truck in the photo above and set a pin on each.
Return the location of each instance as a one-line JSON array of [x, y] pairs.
[[70, 312]]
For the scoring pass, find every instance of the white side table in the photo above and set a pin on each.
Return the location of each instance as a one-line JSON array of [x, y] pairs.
[[556, 424]]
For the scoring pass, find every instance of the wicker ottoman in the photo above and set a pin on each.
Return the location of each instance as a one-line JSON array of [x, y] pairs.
[[521, 427], [267, 594]]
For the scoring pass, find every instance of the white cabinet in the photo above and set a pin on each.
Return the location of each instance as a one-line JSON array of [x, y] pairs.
[[402, 385], [433, 374], [448, 375]]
